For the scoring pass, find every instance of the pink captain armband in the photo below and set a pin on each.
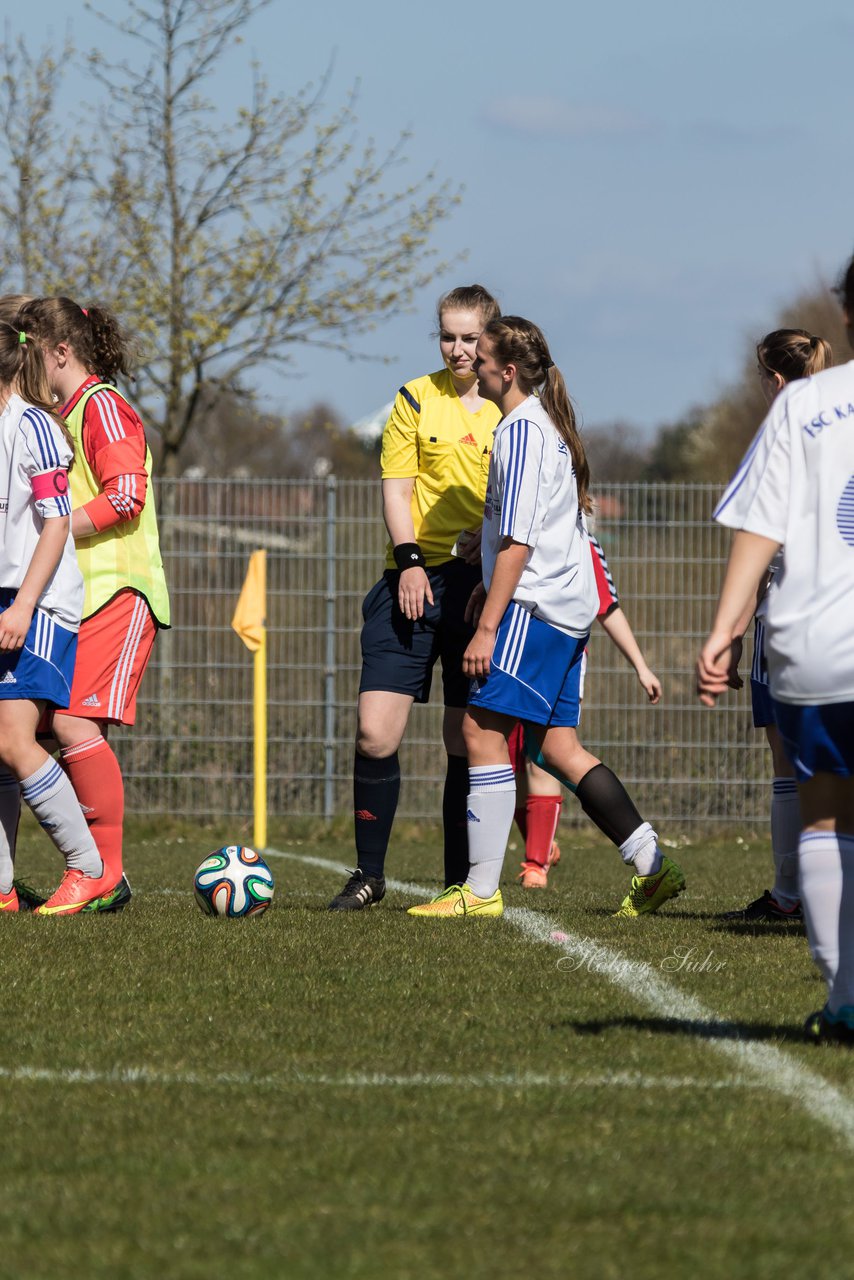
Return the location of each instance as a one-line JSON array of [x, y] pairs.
[[50, 484]]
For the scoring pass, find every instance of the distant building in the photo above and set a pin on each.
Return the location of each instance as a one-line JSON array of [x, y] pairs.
[[370, 428]]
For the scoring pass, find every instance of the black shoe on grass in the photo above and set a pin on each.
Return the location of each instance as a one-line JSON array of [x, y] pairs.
[[28, 897], [115, 900], [823, 1027], [359, 892], [765, 908]]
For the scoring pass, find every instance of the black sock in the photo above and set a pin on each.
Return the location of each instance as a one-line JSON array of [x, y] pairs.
[[454, 810], [376, 788], [607, 803]]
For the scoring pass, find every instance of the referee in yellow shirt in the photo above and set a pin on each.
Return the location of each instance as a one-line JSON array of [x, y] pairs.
[[435, 462]]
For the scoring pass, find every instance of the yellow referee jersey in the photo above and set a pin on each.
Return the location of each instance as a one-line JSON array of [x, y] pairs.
[[432, 436]]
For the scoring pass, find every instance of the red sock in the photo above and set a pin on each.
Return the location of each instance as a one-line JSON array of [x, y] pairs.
[[543, 815], [97, 780]]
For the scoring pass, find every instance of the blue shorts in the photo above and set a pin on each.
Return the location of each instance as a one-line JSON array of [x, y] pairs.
[[760, 693], [763, 704], [398, 655], [535, 671], [817, 739], [42, 670]]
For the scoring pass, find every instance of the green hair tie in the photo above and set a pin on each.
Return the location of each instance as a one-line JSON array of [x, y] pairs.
[[22, 338]]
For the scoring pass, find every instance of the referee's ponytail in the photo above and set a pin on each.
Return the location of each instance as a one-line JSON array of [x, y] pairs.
[[521, 343]]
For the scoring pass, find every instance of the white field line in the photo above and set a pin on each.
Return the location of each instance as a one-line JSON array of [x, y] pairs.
[[523, 1080], [770, 1066]]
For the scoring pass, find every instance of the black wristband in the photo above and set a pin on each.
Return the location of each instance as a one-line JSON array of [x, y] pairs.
[[407, 555]]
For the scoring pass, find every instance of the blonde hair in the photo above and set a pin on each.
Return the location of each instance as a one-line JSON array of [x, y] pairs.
[[521, 343], [793, 353], [22, 370], [468, 297], [10, 305]]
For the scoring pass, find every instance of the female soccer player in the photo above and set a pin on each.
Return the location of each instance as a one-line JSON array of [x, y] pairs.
[[539, 795], [115, 532], [532, 626], [782, 356], [794, 493], [41, 597], [435, 460]]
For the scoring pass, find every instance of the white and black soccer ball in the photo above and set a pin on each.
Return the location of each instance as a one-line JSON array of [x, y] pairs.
[[234, 882]]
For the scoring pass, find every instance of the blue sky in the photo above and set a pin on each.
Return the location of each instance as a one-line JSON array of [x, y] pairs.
[[649, 183]]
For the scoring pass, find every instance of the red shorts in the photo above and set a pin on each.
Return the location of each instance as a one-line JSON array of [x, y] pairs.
[[113, 650]]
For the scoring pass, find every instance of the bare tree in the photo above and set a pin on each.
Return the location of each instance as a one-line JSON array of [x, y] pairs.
[[38, 192], [223, 242], [728, 425]]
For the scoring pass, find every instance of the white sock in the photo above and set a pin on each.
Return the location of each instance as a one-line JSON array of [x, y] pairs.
[[841, 995], [821, 898], [785, 837], [641, 849], [491, 802], [52, 799], [10, 812]]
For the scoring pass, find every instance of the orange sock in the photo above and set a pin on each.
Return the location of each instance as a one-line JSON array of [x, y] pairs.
[[97, 781], [543, 815]]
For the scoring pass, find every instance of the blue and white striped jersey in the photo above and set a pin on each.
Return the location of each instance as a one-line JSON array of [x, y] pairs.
[[795, 485], [34, 456], [532, 497]]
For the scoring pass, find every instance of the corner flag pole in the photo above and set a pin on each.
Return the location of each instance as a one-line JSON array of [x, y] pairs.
[[250, 623]]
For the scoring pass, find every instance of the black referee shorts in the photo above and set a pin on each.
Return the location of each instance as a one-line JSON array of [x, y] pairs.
[[398, 655]]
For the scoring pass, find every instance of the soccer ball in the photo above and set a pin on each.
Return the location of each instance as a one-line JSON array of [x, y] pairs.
[[234, 881]]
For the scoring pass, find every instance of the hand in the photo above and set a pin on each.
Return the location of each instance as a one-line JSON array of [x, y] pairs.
[[477, 656], [471, 550], [713, 668], [474, 608], [413, 588], [14, 625], [651, 684]]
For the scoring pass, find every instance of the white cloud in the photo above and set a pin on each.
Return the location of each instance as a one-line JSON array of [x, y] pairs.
[[548, 117]]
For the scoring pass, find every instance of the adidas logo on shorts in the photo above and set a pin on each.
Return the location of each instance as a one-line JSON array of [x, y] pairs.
[[91, 701], [8, 679]]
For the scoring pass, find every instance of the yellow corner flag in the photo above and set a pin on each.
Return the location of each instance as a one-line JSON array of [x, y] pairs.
[[250, 616], [250, 623]]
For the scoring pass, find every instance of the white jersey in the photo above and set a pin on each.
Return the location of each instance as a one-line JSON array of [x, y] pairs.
[[532, 497], [34, 457], [795, 485]]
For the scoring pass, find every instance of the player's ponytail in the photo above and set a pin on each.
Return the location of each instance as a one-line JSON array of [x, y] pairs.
[[93, 334], [521, 343], [793, 353], [22, 370]]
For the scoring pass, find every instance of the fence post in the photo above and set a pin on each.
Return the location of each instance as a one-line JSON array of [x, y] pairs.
[[331, 647]]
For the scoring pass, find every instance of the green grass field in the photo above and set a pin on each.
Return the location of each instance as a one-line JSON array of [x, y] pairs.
[[318, 1095]]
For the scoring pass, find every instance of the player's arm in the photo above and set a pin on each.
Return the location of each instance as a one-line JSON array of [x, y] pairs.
[[115, 447], [399, 464], [749, 558], [413, 585], [616, 626], [15, 621], [509, 564]]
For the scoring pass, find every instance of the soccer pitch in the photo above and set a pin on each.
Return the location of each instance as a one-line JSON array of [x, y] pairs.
[[323, 1095]]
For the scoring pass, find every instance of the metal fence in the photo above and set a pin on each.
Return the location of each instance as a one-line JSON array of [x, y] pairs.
[[190, 753]]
